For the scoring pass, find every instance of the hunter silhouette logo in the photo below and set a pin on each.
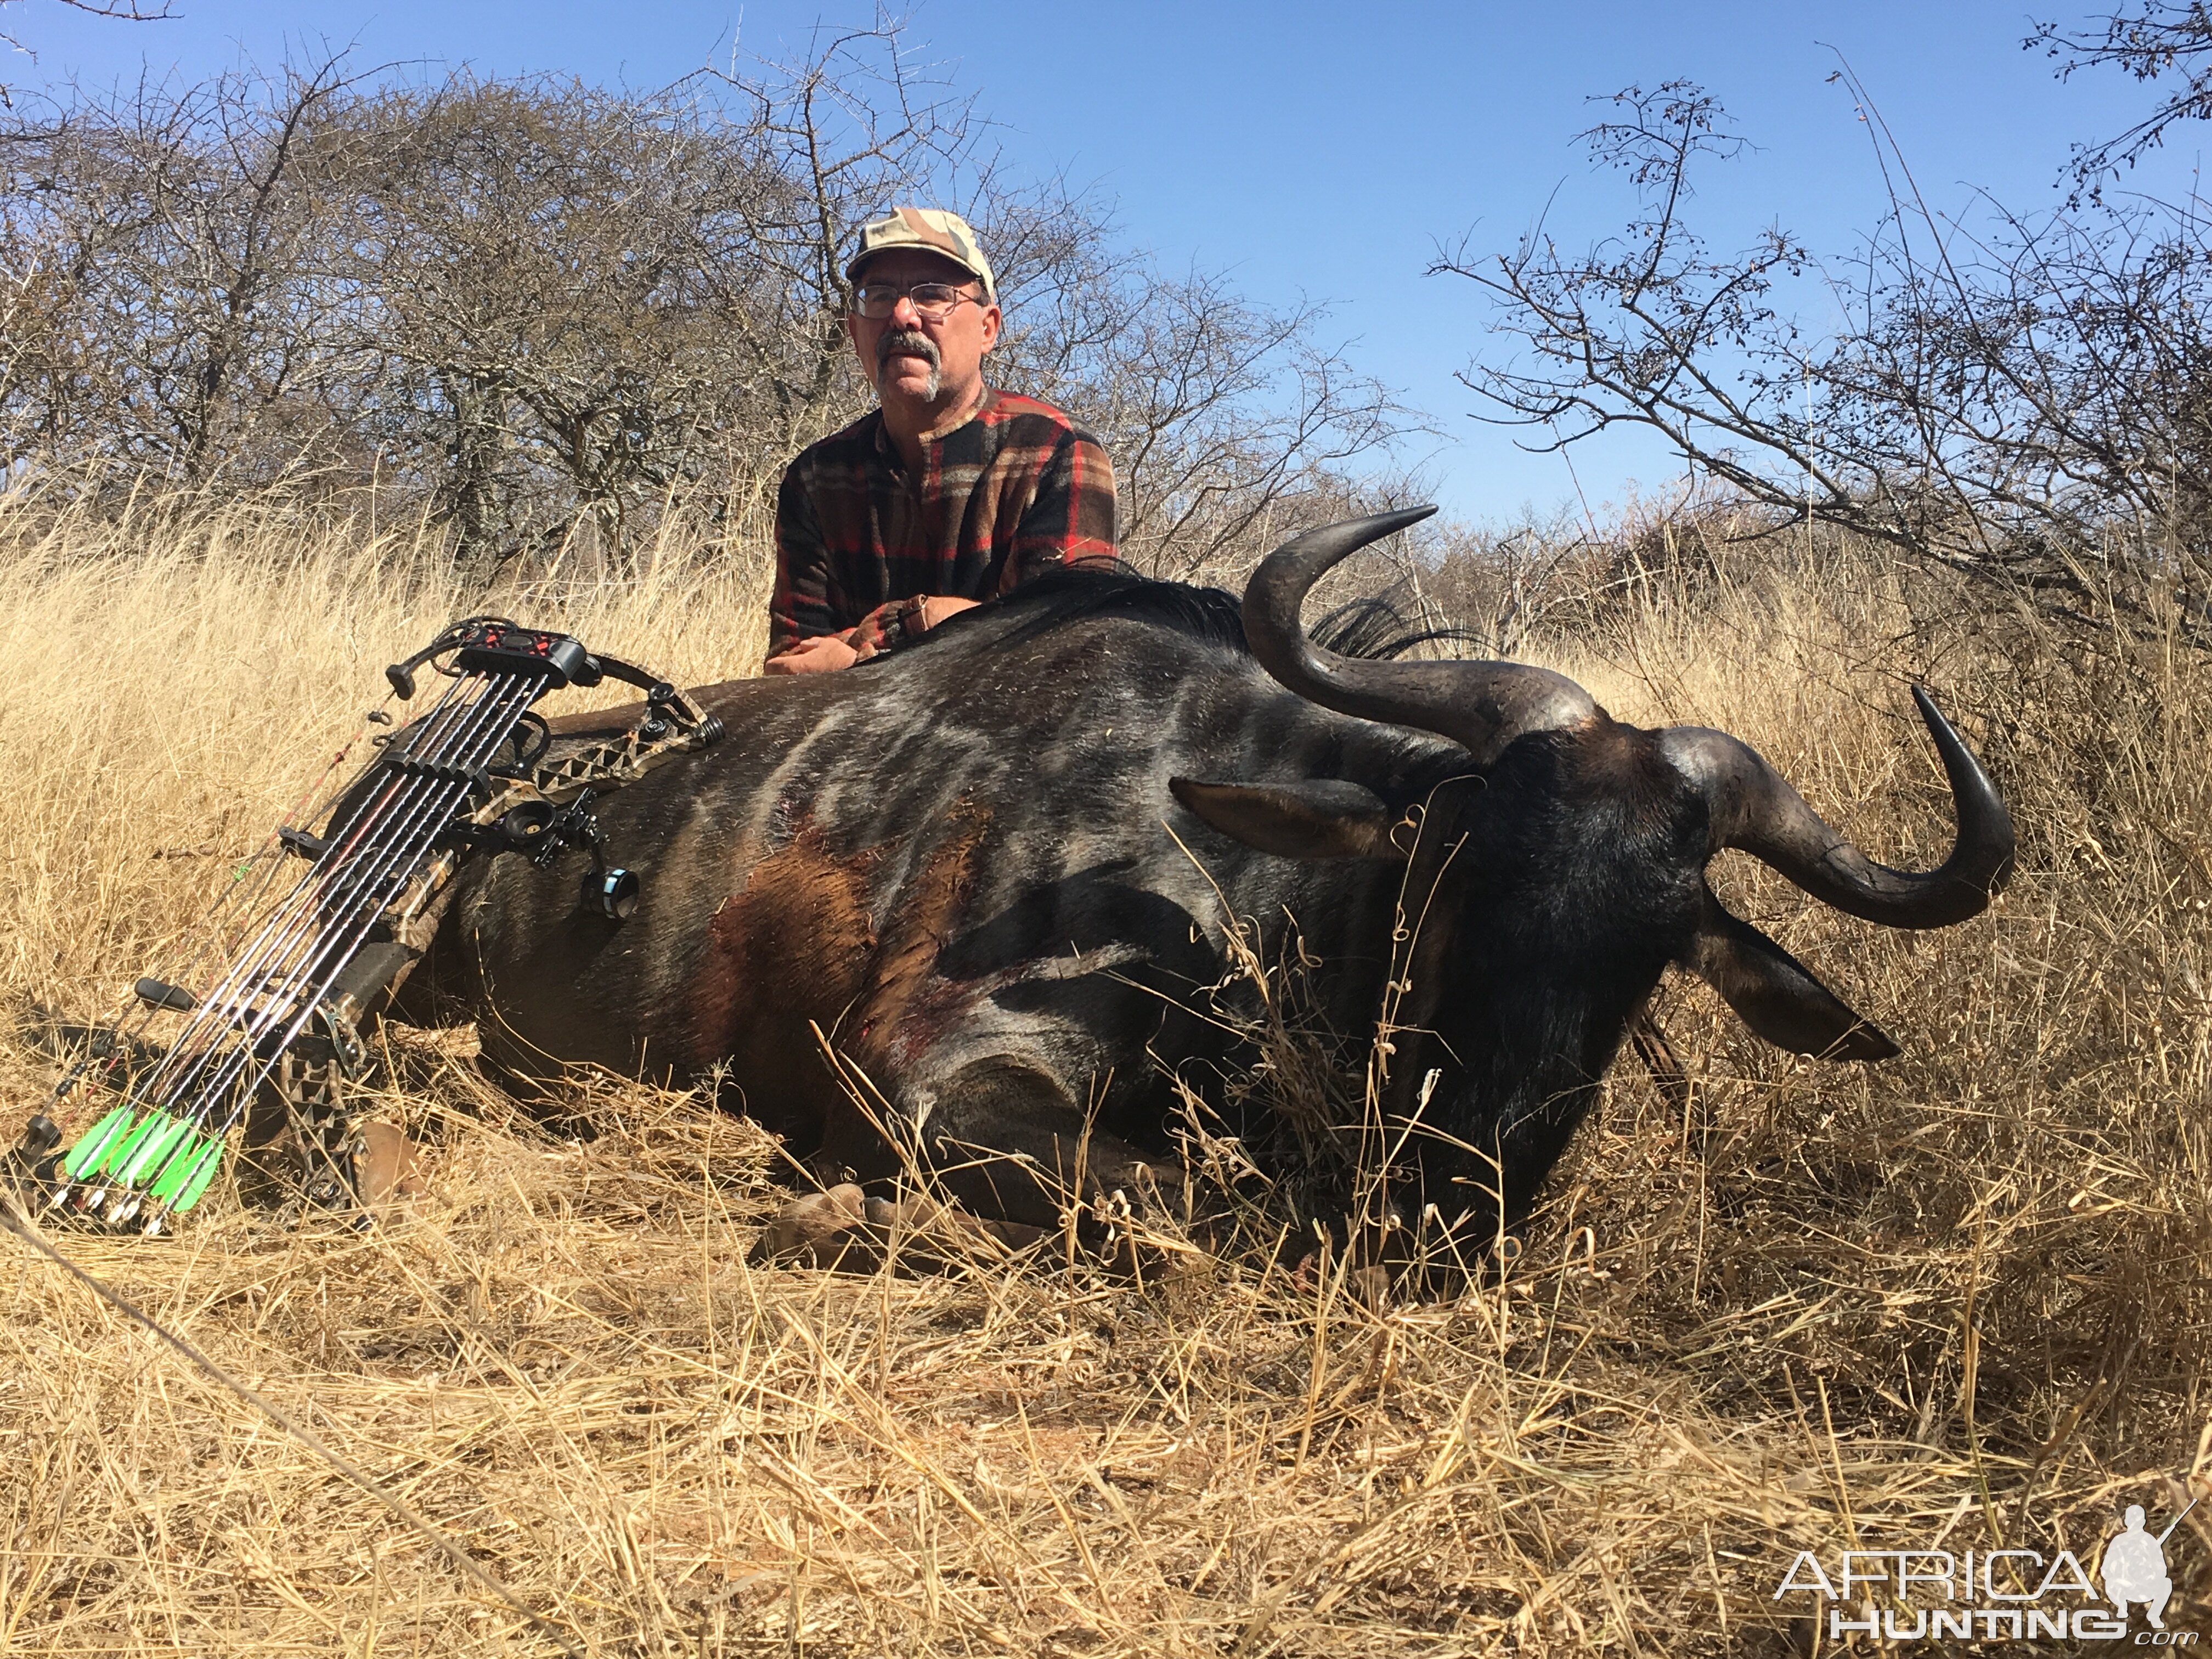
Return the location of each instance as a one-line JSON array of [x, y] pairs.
[[2008, 1594], [2134, 1566]]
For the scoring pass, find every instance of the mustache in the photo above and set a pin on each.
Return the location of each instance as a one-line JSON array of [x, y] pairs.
[[907, 342]]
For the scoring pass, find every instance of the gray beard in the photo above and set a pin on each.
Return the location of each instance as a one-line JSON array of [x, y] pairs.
[[912, 343]]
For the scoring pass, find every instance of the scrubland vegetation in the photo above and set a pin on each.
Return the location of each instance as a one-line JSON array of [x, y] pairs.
[[295, 370], [1797, 1306]]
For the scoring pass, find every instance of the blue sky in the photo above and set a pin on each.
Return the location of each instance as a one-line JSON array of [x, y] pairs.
[[1325, 149]]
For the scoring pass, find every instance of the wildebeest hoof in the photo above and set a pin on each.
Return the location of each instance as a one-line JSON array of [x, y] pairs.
[[388, 1170], [819, 1228], [845, 1228], [941, 1233], [1372, 1285]]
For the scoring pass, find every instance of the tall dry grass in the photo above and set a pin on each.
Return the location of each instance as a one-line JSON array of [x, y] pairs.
[[1961, 1296]]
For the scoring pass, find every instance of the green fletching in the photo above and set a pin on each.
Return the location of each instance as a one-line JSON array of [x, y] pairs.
[[152, 1149], [169, 1180], [120, 1153], [196, 1182], [93, 1145]]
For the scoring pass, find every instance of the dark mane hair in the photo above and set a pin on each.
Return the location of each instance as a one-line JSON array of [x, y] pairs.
[[1070, 594], [1371, 627]]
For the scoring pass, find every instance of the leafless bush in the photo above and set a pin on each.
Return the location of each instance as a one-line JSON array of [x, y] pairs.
[[538, 308], [1229, 425], [2150, 39], [2021, 405], [160, 252]]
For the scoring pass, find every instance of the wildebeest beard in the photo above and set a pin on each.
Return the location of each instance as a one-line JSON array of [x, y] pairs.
[[914, 342]]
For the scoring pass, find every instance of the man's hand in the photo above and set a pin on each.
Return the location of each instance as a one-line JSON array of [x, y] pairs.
[[897, 620], [867, 638], [818, 655]]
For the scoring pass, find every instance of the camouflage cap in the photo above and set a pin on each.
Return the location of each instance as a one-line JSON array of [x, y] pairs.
[[931, 229]]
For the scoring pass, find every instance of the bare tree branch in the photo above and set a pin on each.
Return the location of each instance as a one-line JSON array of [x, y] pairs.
[[129, 11], [547, 310], [2149, 40], [1999, 406]]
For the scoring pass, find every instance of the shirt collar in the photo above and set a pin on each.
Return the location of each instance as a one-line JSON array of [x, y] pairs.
[[937, 435]]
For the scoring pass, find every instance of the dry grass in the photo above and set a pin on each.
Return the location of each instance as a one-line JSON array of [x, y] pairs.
[[1809, 1307]]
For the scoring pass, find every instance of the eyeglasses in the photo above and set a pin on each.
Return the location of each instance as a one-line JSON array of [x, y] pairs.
[[932, 301]]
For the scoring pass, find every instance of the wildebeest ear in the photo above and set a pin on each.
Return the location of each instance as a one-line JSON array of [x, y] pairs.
[[1318, 818], [1775, 993]]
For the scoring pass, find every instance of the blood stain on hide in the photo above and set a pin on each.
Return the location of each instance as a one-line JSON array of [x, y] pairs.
[[792, 944], [895, 1009]]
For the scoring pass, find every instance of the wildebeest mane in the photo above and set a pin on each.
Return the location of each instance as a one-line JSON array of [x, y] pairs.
[[1067, 594], [1372, 627]]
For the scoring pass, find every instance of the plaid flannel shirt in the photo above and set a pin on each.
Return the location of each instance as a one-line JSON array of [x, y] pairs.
[[1015, 488]]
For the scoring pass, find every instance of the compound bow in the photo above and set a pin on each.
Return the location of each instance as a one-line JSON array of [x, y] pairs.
[[275, 1038]]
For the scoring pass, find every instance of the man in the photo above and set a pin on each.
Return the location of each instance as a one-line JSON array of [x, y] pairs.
[[948, 493], [2135, 1569]]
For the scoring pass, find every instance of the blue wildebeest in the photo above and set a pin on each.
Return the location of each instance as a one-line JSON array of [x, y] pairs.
[[991, 868]]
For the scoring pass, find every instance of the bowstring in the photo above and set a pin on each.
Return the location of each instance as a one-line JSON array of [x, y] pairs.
[[321, 925]]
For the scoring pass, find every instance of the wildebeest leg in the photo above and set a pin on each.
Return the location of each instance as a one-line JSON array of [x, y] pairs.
[[1006, 1139], [1002, 1137], [1657, 1053]]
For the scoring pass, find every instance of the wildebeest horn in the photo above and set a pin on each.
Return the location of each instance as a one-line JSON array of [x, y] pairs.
[[1754, 809], [1482, 706]]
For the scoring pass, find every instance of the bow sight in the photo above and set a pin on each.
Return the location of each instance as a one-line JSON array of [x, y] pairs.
[[273, 1041]]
